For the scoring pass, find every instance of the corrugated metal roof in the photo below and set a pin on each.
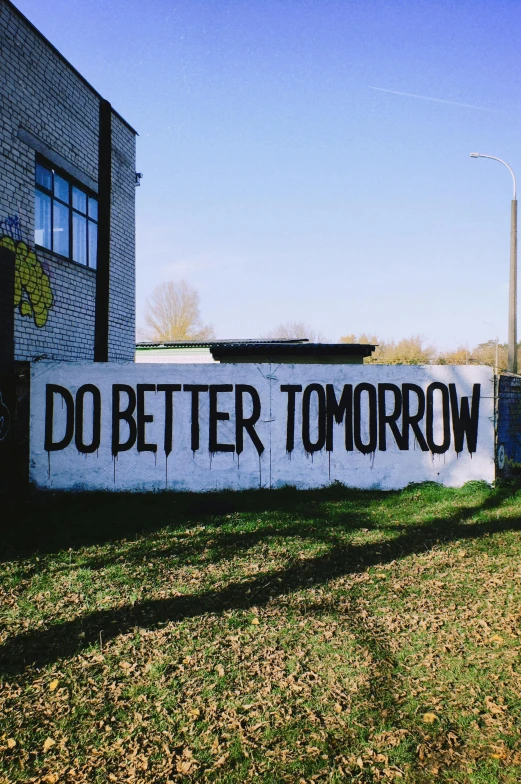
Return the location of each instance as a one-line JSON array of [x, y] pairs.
[[208, 344]]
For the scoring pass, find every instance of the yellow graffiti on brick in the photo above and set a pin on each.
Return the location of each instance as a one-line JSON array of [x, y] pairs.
[[32, 286]]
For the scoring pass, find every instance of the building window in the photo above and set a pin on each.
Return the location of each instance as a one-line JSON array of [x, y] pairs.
[[65, 216]]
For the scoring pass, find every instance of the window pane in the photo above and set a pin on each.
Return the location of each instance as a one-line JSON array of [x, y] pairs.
[[43, 177], [42, 219], [60, 229], [79, 238], [79, 200], [61, 188], [93, 244], [93, 208]]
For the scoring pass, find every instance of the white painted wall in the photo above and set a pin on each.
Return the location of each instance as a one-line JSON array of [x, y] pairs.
[[165, 356], [186, 469]]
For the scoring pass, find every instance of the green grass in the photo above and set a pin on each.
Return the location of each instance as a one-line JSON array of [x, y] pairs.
[[328, 636]]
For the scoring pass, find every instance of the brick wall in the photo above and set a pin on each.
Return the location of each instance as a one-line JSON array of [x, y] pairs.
[[41, 93], [69, 331]]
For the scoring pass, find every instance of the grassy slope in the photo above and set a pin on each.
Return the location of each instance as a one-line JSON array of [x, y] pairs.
[[280, 636]]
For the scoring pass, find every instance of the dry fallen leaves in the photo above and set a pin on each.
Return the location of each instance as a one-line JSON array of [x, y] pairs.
[[491, 706], [220, 762], [48, 744], [185, 766], [299, 670], [496, 638]]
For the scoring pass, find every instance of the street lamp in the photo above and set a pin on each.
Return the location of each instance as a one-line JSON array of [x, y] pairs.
[[512, 294]]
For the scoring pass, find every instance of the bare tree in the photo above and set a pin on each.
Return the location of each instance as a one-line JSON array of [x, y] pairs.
[[294, 330], [172, 313]]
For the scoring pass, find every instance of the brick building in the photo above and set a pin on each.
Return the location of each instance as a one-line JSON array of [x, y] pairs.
[[67, 193]]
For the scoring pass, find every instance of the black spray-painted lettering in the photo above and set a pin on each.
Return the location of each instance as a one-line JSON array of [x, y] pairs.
[[373, 417], [465, 422], [169, 390], [218, 416], [143, 418], [437, 449], [338, 411], [68, 401], [195, 389], [81, 446], [309, 445], [371, 420], [292, 390], [243, 423], [389, 419], [411, 420], [125, 415], [381, 409]]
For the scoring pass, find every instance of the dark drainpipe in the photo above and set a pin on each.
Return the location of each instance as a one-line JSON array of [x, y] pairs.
[[101, 329]]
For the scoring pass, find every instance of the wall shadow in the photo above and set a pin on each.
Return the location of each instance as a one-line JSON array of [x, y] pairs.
[[48, 522], [45, 645]]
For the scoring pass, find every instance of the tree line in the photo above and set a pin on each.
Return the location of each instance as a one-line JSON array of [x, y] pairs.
[[173, 313], [415, 350]]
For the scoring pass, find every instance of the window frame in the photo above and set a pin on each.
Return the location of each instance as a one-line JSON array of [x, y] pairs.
[[89, 194]]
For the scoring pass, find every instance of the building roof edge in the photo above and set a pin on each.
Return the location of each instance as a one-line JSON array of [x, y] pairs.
[[67, 62]]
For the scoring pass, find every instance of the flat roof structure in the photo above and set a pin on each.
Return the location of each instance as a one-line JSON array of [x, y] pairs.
[[298, 351], [293, 353]]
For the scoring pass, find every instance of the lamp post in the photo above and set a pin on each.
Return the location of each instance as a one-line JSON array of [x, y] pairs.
[[512, 292]]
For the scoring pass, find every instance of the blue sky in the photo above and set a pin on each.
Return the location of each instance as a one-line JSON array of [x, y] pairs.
[[283, 188]]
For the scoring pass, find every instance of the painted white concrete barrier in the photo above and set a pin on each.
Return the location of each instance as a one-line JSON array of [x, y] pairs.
[[208, 427]]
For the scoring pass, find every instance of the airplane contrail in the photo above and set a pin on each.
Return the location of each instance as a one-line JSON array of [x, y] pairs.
[[428, 98]]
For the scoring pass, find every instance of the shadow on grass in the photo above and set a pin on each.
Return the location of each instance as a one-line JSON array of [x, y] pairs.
[[46, 523], [45, 645], [50, 522]]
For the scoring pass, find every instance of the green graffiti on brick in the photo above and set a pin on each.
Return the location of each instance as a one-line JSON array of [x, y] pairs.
[[32, 287]]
